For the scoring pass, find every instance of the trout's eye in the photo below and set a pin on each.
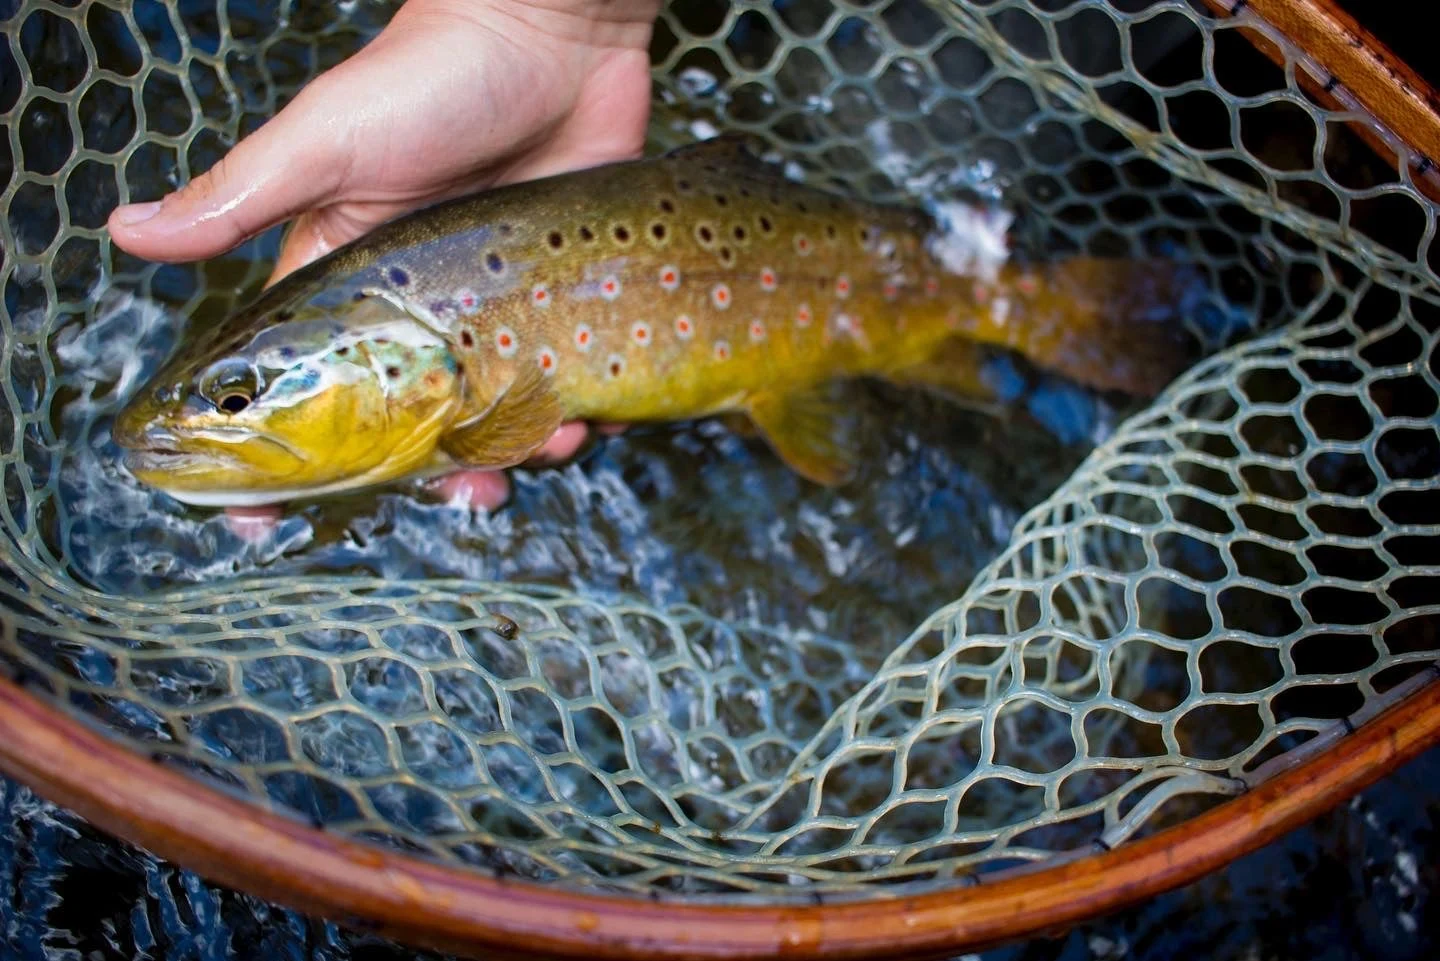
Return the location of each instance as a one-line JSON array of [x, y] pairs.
[[230, 385], [234, 403]]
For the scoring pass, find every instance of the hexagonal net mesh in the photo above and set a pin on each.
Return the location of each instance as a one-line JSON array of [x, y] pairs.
[[1231, 575]]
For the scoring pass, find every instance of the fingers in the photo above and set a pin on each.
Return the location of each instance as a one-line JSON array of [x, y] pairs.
[[313, 235], [294, 162], [482, 489], [561, 446], [253, 524]]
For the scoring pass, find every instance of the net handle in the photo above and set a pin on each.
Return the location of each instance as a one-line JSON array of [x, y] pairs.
[[234, 843], [1358, 74]]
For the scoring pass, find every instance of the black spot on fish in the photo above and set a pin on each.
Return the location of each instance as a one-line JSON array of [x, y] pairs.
[[666, 205], [506, 230], [705, 234], [721, 200], [658, 231], [682, 185], [493, 261], [830, 231], [467, 339], [766, 225], [342, 351], [284, 313], [744, 192], [739, 232], [555, 240], [398, 277], [586, 234], [622, 234], [725, 255], [800, 206], [287, 353], [392, 372]]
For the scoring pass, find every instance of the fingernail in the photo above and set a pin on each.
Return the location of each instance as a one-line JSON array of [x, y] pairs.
[[132, 214]]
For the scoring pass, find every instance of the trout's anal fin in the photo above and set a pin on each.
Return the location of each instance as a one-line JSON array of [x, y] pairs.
[[512, 428], [808, 431]]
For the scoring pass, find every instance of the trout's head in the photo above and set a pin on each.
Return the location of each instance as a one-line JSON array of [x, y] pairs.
[[294, 397]]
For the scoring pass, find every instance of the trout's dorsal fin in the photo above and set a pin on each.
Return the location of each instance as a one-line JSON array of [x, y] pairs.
[[730, 149], [512, 428], [809, 431]]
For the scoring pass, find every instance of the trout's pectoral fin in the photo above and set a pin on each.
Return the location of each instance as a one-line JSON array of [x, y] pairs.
[[512, 428], [809, 431]]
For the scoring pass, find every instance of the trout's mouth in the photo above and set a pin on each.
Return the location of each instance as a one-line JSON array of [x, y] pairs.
[[174, 461], [176, 454]]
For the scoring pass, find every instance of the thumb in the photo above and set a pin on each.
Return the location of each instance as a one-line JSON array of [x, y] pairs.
[[292, 163]]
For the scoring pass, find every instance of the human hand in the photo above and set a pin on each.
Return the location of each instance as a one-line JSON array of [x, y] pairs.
[[453, 96]]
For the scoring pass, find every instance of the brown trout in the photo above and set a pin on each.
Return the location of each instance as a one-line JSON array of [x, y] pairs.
[[677, 287]]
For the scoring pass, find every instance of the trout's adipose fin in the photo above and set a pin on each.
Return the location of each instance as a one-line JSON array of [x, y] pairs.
[[808, 431], [510, 429]]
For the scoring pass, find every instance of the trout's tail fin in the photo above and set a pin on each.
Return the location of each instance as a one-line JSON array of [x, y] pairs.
[[1110, 324]]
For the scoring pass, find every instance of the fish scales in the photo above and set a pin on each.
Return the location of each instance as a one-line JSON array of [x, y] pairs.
[[676, 287], [672, 290]]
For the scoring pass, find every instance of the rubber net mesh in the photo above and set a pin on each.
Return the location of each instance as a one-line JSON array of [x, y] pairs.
[[1232, 577]]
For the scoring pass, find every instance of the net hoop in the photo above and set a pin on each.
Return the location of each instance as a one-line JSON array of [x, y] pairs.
[[231, 842], [1355, 72]]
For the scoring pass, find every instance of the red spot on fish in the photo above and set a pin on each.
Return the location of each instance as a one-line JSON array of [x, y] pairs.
[[683, 327], [583, 337], [616, 365], [802, 316], [802, 244], [546, 358], [641, 333], [722, 350], [669, 278], [842, 286], [720, 295], [757, 331], [1029, 285], [505, 342], [767, 279], [891, 291], [540, 296], [610, 288], [467, 300]]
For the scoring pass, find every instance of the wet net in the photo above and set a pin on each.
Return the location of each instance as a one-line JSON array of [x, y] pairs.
[[1234, 577]]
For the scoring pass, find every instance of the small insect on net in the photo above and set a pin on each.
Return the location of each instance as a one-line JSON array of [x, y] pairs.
[[1232, 575]]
